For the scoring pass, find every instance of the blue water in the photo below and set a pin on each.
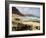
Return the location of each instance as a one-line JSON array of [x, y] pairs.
[[27, 18]]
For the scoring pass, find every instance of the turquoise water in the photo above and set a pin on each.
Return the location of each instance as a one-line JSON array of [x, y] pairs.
[[27, 18]]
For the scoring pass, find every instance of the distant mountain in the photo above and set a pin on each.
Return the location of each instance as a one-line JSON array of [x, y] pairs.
[[16, 11], [30, 15]]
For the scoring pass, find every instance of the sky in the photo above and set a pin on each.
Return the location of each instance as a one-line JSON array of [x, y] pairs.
[[29, 10]]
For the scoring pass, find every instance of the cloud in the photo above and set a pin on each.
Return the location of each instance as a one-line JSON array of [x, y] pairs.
[[29, 10]]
